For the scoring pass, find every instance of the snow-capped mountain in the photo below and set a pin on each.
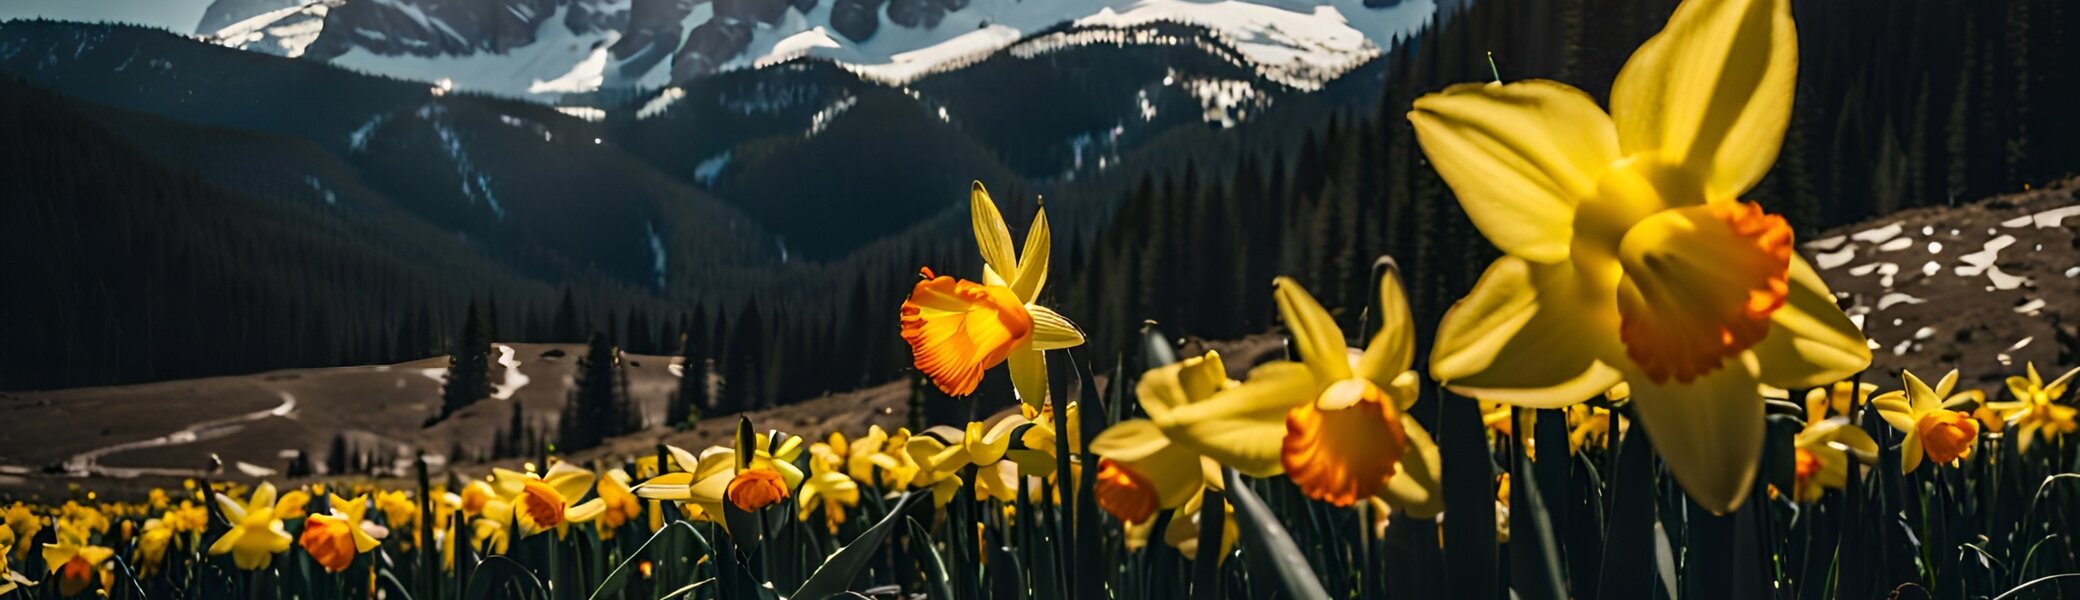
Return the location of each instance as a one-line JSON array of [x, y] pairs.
[[548, 50]]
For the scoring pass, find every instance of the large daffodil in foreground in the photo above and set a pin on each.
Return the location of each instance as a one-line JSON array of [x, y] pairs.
[[1630, 254], [957, 329]]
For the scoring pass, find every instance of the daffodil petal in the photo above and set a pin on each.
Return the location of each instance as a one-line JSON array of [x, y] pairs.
[[1313, 331], [1712, 91], [1417, 487], [1910, 453], [1051, 330], [1165, 388], [1244, 427], [1029, 374], [1810, 342], [1709, 431], [1129, 440], [1519, 156], [1393, 349], [569, 480], [1525, 336], [991, 236], [1033, 259]]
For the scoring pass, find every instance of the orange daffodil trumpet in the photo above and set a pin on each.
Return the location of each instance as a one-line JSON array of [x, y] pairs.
[[957, 329], [335, 539], [1347, 436], [1823, 449], [1933, 420], [541, 503], [1162, 462], [1629, 253], [1333, 423]]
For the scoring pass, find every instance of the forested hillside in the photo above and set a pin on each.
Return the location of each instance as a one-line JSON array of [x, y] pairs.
[[1895, 109]]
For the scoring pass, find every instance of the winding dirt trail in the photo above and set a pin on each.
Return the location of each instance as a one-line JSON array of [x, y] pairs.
[[88, 463]]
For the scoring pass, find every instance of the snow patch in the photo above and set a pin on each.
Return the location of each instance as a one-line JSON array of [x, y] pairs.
[[711, 168], [657, 253]]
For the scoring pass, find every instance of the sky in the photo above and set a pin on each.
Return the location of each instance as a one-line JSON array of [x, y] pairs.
[[181, 16]]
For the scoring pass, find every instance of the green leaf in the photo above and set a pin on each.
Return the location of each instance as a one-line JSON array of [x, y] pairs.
[[2032, 583], [618, 578], [937, 586], [1629, 532], [1534, 558], [837, 572], [1267, 546], [1469, 496], [496, 573]]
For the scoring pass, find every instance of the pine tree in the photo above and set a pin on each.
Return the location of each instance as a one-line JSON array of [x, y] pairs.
[[339, 458], [685, 407], [590, 415], [468, 368], [564, 330]]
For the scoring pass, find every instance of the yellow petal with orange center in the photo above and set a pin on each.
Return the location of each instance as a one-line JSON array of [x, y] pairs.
[[958, 329], [539, 507], [1345, 445], [1700, 285]]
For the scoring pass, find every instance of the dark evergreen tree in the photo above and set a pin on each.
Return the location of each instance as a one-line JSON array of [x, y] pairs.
[[469, 366], [687, 402], [590, 413]]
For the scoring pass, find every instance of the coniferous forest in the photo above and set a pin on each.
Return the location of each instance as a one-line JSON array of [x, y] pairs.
[[130, 281]]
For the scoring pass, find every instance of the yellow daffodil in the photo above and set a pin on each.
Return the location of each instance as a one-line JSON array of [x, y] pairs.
[[9, 580], [334, 539], [716, 476], [24, 523], [1346, 436], [1843, 396], [877, 451], [1183, 532], [548, 502], [2036, 409], [1152, 464], [1930, 419], [256, 532], [957, 329], [83, 517], [1823, 450], [149, 554], [827, 486], [1497, 417], [1035, 450], [475, 495], [76, 563], [400, 514], [938, 462], [621, 503], [1629, 253], [291, 505]]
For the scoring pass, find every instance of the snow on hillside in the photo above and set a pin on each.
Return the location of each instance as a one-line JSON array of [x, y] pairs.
[[1299, 42], [285, 32], [1983, 287], [1322, 38]]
